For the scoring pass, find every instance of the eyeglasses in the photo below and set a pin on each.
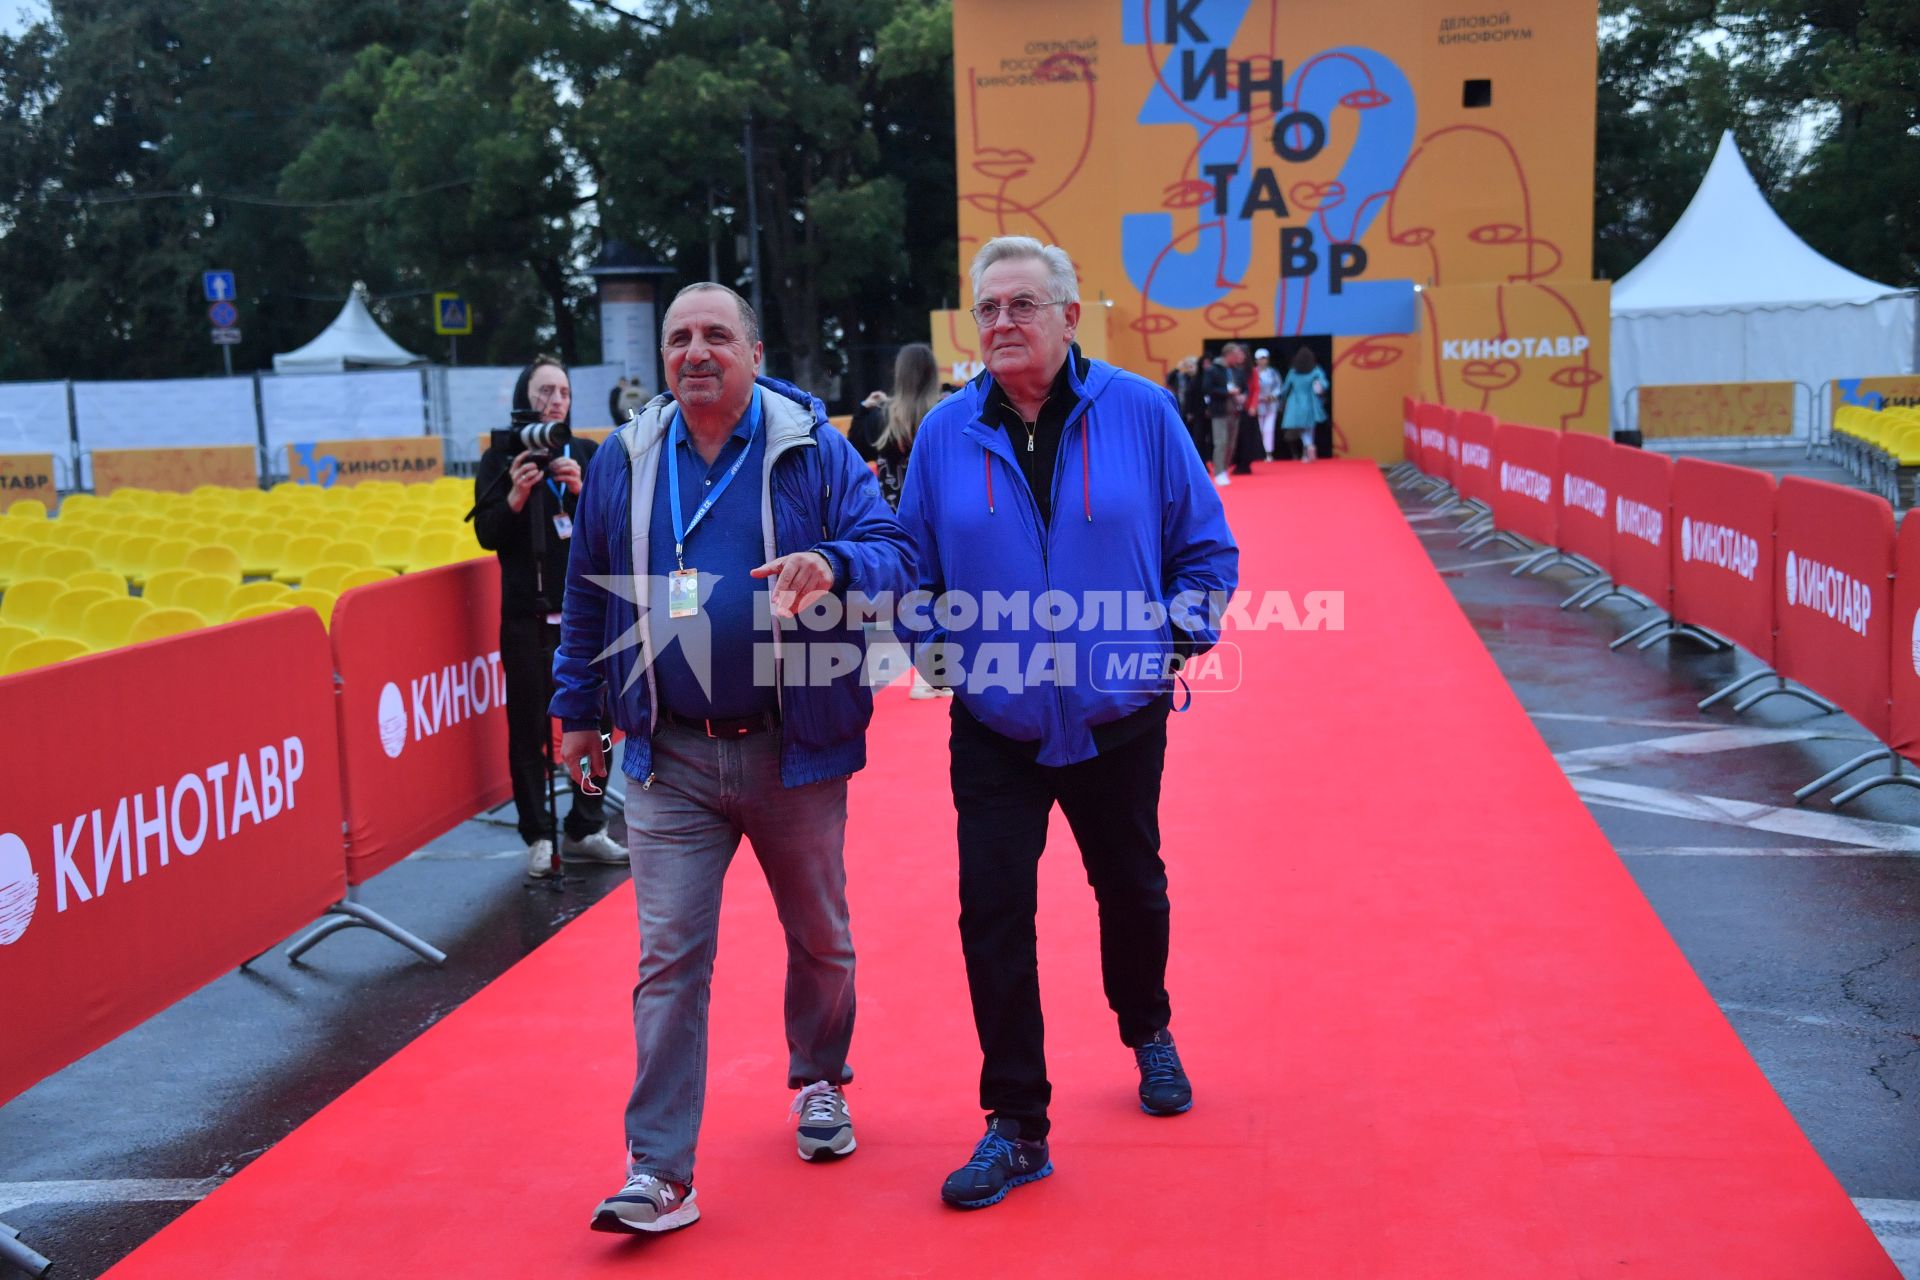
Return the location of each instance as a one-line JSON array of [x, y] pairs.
[[1020, 311]]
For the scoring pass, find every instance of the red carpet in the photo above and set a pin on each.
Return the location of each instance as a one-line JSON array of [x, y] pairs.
[[1433, 1027]]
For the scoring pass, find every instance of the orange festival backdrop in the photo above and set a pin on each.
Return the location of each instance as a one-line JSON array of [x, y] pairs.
[[333, 463], [1716, 409], [26, 475], [231, 466], [1238, 169], [1899, 391]]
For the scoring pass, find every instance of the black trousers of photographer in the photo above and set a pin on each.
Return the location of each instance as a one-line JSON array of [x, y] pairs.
[[1003, 799], [526, 659]]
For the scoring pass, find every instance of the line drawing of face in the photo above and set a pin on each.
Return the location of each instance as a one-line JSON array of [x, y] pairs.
[[1492, 241], [1013, 169]]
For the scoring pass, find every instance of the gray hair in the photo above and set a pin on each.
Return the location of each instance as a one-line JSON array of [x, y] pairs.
[[1061, 278], [748, 320]]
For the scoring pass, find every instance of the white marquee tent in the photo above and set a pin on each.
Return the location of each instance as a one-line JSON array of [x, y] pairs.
[[354, 340], [1733, 295]]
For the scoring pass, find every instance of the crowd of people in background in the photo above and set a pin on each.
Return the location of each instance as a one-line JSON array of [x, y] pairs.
[[1238, 414]]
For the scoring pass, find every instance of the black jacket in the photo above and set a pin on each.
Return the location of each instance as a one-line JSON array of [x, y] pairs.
[[510, 534]]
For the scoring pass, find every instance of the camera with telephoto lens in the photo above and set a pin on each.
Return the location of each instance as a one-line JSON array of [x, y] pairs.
[[530, 431]]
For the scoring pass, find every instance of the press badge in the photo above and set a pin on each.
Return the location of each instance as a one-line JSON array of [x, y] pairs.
[[683, 593], [563, 526]]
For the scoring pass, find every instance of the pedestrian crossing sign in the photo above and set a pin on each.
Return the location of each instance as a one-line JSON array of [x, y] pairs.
[[451, 315]]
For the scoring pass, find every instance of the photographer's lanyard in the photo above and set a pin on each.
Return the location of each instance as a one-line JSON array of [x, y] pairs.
[[560, 490], [683, 584]]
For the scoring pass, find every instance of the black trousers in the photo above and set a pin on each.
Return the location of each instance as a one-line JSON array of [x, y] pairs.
[[1112, 802], [526, 659]]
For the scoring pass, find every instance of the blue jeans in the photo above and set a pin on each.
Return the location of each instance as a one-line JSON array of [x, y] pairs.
[[681, 835]]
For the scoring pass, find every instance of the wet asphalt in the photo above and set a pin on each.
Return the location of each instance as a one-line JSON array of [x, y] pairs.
[[1808, 938]]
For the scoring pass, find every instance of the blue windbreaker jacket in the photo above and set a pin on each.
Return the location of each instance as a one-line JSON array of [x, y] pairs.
[[816, 495], [1136, 518]]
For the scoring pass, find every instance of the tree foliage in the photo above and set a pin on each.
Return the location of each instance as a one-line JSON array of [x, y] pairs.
[[490, 147], [1823, 97]]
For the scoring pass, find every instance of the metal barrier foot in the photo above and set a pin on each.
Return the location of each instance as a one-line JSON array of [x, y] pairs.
[[1897, 778], [1587, 588], [16, 1254], [1791, 691], [1733, 688], [351, 913], [1687, 631], [1832, 776], [1638, 631]]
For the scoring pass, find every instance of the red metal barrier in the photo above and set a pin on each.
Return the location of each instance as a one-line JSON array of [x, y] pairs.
[[1586, 493], [1433, 440], [1723, 554], [1409, 431], [1474, 477], [1834, 607], [423, 737], [1642, 521], [1526, 460], [1450, 425], [1905, 628], [185, 819]]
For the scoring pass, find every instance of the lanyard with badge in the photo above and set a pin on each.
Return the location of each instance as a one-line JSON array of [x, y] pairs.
[[683, 584], [562, 522]]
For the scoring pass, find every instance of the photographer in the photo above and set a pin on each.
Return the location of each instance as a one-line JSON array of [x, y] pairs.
[[533, 507]]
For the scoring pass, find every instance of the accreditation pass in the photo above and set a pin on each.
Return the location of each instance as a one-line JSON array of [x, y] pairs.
[[683, 593]]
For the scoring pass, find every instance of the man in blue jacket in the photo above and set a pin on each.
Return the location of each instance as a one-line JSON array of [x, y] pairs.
[[734, 728], [1074, 549]]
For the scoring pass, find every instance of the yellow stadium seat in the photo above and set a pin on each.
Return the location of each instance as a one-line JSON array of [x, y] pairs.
[[252, 593], [27, 563], [301, 554], [259, 609], [263, 553], [11, 551], [106, 579], [65, 562], [393, 547], [109, 623], [209, 595], [321, 602], [69, 609], [13, 635], [28, 602], [326, 577], [43, 652], [353, 551], [168, 553], [431, 550], [27, 509], [83, 505], [86, 536], [166, 622], [161, 590], [222, 561], [126, 552], [361, 577]]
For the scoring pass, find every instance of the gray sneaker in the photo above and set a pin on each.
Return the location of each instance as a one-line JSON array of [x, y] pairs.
[[825, 1128], [647, 1204]]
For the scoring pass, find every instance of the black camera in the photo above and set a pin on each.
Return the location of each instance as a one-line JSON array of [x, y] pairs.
[[531, 431]]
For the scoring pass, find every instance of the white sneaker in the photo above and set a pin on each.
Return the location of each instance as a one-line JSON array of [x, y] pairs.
[[598, 847], [1222, 479], [540, 863]]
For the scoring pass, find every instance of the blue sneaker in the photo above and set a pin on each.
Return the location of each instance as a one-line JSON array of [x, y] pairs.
[[1164, 1087], [1001, 1161]]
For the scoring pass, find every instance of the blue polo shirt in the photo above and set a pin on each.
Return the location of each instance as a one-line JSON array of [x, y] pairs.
[[704, 666]]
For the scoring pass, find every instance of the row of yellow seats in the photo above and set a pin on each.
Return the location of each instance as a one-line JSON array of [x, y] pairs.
[[278, 555], [86, 620]]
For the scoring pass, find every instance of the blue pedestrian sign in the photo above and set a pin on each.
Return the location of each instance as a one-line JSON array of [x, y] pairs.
[[218, 285], [224, 315], [452, 317]]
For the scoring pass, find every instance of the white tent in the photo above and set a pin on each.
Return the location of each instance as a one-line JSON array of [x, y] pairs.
[[1733, 295], [354, 340]]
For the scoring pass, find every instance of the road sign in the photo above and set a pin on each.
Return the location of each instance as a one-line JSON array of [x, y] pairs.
[[225, 337], [452, 317], [224, 315], [217, 285]]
